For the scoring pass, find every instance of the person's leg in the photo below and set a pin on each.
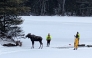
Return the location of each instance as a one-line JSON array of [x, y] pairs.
[[74, 46], [47, 43], [78, 41]]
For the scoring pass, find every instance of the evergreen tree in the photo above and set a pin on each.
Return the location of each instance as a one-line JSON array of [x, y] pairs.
[[10, 10]]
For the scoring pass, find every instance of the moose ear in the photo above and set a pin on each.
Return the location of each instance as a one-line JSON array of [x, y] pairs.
[[30, 33]]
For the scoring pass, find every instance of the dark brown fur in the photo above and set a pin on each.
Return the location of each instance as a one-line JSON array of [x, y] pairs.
[[35, 38]]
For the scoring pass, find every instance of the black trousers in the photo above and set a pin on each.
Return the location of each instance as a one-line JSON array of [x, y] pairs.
[[48, 42]]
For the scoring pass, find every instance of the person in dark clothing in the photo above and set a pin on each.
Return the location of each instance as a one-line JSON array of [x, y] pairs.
[[48, 38]]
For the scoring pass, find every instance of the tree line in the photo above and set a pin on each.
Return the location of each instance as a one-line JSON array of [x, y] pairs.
[[61, 7]]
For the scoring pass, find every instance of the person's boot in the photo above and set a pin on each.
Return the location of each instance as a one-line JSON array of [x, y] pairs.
[[76, 48], [47, 45]]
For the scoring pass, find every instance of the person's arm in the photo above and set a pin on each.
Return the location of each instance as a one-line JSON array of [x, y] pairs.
[[46, 37], [74, 41], [50, 37]]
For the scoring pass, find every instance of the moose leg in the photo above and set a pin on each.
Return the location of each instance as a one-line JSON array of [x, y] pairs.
[[32, 44], [41, 45]]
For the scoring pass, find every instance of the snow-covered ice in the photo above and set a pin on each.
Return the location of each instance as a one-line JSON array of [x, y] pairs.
[[62, 30]]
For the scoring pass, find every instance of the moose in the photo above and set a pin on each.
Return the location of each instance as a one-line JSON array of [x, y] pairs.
[[35, 38]]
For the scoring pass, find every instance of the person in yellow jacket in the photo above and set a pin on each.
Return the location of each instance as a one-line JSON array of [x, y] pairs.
[[77, 36], [48, 38], [76, 43]]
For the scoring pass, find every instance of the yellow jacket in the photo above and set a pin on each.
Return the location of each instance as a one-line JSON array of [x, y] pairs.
[[77, 36], [48, 38]]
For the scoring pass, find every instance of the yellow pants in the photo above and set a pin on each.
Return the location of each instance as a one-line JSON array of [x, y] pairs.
[[76, 43]]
